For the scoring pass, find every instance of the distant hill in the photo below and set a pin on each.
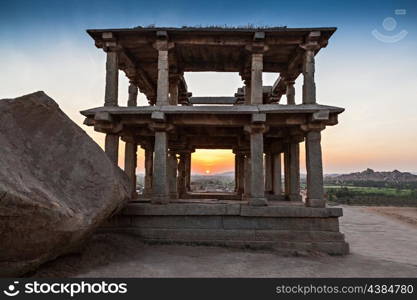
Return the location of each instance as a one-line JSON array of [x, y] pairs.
[[370, 175]]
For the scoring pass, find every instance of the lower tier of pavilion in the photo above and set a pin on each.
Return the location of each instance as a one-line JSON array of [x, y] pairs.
[[259, 136]]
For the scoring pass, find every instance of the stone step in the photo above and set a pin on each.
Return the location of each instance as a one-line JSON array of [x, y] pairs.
[[228, 235], [225, 223], [286, 242]]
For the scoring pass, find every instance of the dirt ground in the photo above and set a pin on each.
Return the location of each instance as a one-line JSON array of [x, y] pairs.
[[383, 243], [404, 214]]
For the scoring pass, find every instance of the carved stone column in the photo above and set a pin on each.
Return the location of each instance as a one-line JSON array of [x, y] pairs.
[[131, 164], [162, 46], [256, 78], [290, 92], [133, 95], [315, 190], [147, 191], [257, 186], [287, 191], [241, 173], [236, 170], [276, 176], [111, 147], [248, 92], [309, 86], [112, 78], [268, 173], [247, 176], [173, 89], [172, 174], [188, 171], [111, 91], [294, 171], [181, 186], [160, 188]]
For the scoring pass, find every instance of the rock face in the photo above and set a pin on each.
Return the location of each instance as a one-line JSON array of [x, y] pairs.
[[371, 175], [56, 184]]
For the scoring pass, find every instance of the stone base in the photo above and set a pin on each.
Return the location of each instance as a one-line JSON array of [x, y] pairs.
[[295, 197], [173, 195], [261, 201], [271, 197], [286, 229], [315, 202], [157, 199]]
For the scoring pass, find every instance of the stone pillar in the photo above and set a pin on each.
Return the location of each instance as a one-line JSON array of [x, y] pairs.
[[294, 172], [181, 188], [111, 147], [111, 99], [290, 92], [247, 176], [247, 91], [172, 174], [147, 191], [130, 164], [188, 171], [276, 176], [173, 90], [241, 173], [268, 173], [160, 191], [112, 79], [286, 172], [133, 95], [315, 191], [163, 78], [309, 86], [236, 170], [257, 187], [256, 78]]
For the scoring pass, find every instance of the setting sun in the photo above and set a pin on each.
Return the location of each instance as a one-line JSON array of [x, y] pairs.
[[208, 161]]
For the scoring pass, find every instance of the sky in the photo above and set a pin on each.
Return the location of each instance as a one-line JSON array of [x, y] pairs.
[[369, 66]]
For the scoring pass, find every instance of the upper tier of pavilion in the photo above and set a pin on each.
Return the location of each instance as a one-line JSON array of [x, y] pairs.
[[217, 49]]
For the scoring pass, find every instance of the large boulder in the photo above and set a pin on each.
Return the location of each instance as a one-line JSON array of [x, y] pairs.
[[56, 184]]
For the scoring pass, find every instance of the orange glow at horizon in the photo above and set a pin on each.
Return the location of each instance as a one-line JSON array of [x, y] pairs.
[[207, 161]]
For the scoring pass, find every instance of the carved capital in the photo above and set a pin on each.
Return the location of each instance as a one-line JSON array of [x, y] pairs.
[[159, 126], [317, 126], [256, 128], [109, 42]]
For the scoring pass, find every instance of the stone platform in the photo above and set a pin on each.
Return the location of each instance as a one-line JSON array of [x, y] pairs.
[[285, 227]]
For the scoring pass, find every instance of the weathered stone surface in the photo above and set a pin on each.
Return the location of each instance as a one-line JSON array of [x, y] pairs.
[[56, 184]]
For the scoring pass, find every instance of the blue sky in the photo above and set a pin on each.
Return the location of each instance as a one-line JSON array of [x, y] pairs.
[[45, 47]]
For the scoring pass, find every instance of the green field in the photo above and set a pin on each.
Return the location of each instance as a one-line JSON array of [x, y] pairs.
[[359, 190]]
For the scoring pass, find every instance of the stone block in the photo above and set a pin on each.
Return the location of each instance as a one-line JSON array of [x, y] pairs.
[[178, 222], [282, 223], [258, 118], [290, 211], [103, 116], [158, 116], [321, 115], [181, 209]]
